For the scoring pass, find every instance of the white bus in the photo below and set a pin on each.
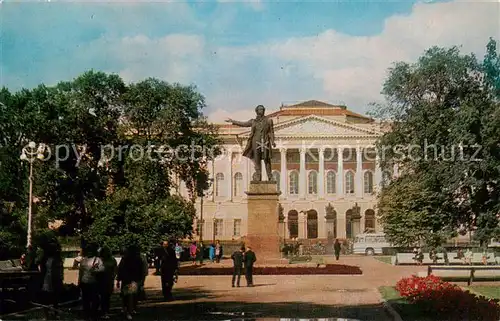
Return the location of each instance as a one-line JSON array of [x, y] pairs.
[[370, 243]]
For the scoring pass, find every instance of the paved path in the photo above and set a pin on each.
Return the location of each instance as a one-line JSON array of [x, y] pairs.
[[322, 296]]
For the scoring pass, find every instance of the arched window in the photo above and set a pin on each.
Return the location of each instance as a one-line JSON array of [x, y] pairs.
[[349, 182], [369, 220], [238, 184], [276, 178], [294, 183], [312, 182], [368, 180], [330, 182], [219, 181]]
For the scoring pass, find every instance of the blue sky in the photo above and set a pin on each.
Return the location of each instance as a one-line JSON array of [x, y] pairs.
[[238, 53]]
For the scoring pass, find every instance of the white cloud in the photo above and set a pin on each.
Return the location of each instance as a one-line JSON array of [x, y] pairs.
[[329, 66], [256, 5]]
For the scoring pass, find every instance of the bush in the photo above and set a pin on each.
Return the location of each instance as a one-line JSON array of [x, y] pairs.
[[447, 301]]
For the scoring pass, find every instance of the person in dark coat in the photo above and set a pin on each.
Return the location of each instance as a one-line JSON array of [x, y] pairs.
[[336, 249], [249, 260], [168, 269], [130, 274], [237, 258]]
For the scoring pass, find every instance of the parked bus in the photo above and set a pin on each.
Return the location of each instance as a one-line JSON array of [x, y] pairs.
[[370, 243]]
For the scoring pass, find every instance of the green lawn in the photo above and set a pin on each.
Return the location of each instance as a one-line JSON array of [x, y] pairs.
[[488, 291], [406, 310], [383, 259]]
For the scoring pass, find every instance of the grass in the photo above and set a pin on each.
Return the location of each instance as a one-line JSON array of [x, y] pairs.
[[492, 292], [407, 311], [383, 259]]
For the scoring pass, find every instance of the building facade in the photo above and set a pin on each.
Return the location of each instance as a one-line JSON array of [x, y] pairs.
[[325, 166]]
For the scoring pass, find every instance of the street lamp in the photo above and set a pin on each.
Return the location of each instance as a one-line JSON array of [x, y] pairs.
[[29, 154]]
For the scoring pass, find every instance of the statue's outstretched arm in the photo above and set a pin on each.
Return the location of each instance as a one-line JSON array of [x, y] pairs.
[[240, 123]]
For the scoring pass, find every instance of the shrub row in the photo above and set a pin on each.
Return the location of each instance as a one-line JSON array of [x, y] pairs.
[[446, 301]]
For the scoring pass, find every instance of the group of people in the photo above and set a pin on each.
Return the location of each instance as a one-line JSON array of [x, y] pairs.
[[197, 252], [243, 260], [98, 272]]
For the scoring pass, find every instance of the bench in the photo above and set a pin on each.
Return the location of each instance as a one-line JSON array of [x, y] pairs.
[[477, 258], [464, 271], [407, 258]]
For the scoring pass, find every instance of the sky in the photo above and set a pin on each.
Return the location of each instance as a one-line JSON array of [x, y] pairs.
[[238, 53]]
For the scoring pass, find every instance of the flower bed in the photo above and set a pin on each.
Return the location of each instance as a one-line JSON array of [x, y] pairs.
[[446, 301], [279, 270]]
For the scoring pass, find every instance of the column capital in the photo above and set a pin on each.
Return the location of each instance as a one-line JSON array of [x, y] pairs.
[[321, 150], [303, 150], [283, 150]]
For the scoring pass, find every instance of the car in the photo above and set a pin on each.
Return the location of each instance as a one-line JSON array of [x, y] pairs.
[[370, 243]]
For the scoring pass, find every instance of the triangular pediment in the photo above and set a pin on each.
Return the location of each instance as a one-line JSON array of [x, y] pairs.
[[316, 126]]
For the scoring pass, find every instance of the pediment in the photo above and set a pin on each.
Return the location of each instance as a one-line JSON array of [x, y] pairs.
[[316, 126]]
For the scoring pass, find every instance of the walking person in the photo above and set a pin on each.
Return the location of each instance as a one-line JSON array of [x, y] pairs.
[[218, 251], [193, 249], [336, 249], [52, 273], [168, 269], [106, 280], [249, 259], [130, 274], [237, 258], [178, 251], [90, 268], [201, 252], [211, 253]]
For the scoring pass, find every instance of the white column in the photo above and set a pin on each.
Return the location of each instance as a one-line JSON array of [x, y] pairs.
[[321, 174], [229, 171], [302, 174], [359, 172], [302, 225], [285, 221], [378, 173], [283, 174], [340, 172]]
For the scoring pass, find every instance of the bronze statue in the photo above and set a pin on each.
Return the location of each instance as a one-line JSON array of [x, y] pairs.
[[260, 143]]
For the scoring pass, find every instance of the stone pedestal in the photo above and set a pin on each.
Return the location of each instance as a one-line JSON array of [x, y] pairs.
[[262, 231]]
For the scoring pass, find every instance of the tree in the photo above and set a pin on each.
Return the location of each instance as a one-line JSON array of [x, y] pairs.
[[442, 104], [90, 181]]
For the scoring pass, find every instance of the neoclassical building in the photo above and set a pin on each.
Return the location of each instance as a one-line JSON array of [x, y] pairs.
[[324, 164]]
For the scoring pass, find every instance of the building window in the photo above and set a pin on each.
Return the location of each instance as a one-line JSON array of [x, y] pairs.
[[330, 182], [294, 183], [349, 182], [368, 180], [238, 184], [312, 182], [219, 180], [218, 227], [237, 227], [369, 220], [276, 178]]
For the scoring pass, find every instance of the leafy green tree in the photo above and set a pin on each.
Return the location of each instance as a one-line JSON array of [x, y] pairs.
[[114, 197], [443, 104]]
